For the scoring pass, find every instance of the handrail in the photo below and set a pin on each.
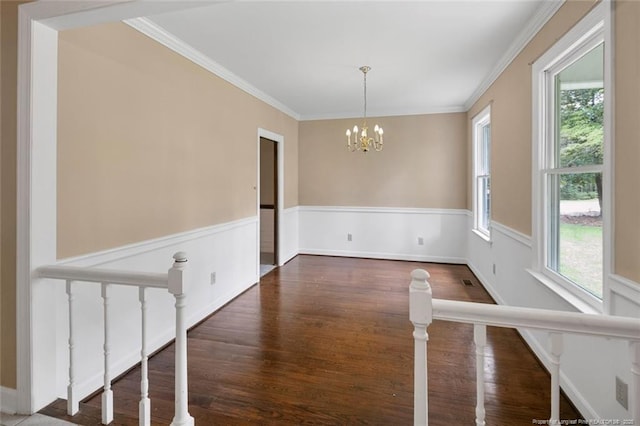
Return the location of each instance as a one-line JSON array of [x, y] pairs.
[[423, 309], [175, 282], [541, 319], [97, 275]]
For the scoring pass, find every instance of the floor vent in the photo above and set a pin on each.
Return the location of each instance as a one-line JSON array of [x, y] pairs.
[[467, 282]]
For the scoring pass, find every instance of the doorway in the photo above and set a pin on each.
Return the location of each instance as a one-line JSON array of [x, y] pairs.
[[268, 203]]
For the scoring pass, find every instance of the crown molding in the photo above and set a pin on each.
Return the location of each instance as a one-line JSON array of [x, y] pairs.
[[159, 34], [389, 113], [542, 16]]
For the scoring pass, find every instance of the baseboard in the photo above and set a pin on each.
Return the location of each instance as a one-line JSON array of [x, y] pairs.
[[8, 400], [386, 256], [486, 284]]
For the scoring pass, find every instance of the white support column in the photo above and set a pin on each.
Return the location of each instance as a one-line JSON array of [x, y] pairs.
[[555, 342], [107, 393], [634, 409], [144, 408], [421, 315], [72, 402], [480, 340], [177, 287]]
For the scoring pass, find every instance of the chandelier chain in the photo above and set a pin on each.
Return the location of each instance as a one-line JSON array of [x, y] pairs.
[[365, 96]]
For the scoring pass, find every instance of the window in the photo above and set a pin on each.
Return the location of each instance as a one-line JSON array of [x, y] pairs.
[[482, 173], [570, 153]]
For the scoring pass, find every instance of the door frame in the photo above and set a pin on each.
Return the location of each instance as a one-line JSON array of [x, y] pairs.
[[279, 202]]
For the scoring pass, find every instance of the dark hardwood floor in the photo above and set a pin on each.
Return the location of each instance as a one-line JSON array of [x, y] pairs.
[[325, 340]]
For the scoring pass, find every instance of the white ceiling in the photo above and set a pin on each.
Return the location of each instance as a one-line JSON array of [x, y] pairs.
[[303, 56]]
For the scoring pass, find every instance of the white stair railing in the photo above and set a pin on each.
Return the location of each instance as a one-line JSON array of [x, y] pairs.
[[175, 282], [423, 309]]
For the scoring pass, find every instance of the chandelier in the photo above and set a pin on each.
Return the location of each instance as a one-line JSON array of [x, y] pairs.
[[362, 141]]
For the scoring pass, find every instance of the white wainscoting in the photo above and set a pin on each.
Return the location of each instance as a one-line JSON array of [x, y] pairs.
[[589, 365], [289, 234], [228, 249], [385, 233]]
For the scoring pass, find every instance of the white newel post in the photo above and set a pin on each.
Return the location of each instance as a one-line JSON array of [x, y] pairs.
[[72, 401], [177, 286], [144, 407], [421, 315], [480, 340], [107, 393], [634, 349], [555, 342]]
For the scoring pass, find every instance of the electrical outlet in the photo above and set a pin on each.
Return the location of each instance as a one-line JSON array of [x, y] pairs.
[[420, 241], [213, 278], [349, 237], [622, 393]]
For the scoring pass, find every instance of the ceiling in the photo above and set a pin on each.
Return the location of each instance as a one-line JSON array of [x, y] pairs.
[[303, 56]]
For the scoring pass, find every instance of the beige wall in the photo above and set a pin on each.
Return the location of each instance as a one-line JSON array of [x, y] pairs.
[[150, 144], [8, 150], [511, 124], [423, 163], [627, 140]]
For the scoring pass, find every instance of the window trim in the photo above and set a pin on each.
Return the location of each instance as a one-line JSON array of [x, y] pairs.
[[596, 25], [479, 121]]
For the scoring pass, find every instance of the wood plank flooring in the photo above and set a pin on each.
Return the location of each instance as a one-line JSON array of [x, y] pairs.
[[327, 341]]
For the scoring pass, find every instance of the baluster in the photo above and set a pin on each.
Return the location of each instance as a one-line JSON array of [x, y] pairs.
[[555, 340], [177, 287], [107, 393], [634, 349], [421, 315], [480, 340], [144, 408], [72, 402]]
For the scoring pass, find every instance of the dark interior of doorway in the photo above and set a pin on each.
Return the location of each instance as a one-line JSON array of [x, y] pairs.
[[268, 205]]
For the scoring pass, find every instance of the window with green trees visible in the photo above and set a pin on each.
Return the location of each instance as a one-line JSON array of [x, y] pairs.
[[575, 175], [569, 195]]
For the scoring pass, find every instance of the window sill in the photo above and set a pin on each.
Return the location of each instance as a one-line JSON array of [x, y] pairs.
[[565, 294], [482, 235]]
